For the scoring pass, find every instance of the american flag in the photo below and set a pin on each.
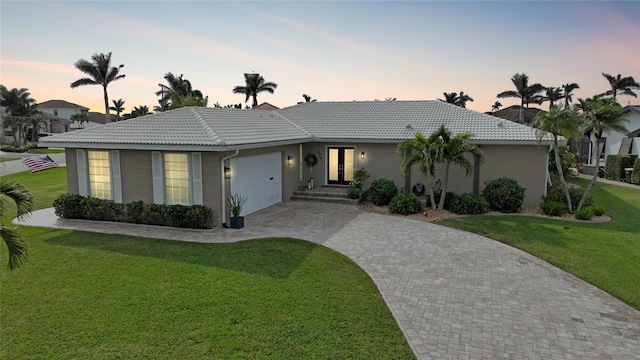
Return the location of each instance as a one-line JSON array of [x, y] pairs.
[[40, 163]]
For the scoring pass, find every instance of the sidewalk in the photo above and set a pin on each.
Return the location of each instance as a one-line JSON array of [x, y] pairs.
[[610, 182]]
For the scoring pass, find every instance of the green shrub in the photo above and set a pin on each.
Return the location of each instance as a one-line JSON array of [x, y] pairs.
[[635, 174], [586, 213], [468, 204], [554, 208], [615, 165], [504, 195], [69, 206], [382, 191], [598, 210], [355, 189], [436, 195], [555, 193], [405, 204], [567, 160]]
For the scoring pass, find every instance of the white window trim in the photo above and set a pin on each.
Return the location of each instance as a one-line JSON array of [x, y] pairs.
[[194, 161], [84, 186]]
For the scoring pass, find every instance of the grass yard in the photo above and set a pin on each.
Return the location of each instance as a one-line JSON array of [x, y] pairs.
[[84, 295], [3, 159], [45, 151], [606, 255]]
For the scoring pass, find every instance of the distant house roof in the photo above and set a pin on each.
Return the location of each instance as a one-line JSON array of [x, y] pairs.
[[266, 106], [99, 118], [635, 133], [216, 129], [513, 113], [55, 119], [60, 104], [633, 108]]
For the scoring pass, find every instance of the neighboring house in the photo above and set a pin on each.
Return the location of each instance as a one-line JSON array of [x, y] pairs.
[[615, 143], [266, 106], [62, 109], [99, 118], [513, 113], [55, 124], [198, 155]]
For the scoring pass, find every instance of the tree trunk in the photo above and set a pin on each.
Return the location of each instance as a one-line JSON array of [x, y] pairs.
[[563, 183], [255, 100], [106, 106], [521, 114], [595, 175], [432, 196], [444, 186]]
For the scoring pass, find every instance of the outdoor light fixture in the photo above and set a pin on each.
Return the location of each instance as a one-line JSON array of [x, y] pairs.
[[227, 172], [289, 160], [362, 155]]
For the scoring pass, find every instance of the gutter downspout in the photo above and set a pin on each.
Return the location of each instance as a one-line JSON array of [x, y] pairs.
[[224, 191], [300, 161]]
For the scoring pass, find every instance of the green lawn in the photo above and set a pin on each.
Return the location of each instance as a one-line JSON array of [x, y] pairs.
[[606, 255], [45, 151], [3, 159], [83, 295]]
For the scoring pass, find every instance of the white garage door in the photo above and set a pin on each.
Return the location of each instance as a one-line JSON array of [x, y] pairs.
[[258, 179]]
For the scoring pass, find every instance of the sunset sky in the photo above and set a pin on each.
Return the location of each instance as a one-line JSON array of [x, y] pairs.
[[333, 51]]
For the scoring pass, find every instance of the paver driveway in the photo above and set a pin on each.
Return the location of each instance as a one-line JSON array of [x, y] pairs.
[[456, 295]]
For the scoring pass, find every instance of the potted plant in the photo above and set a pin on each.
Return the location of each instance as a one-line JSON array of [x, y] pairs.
[[235, 203]]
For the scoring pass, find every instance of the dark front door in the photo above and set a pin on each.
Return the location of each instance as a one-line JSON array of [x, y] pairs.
[[340, 165]]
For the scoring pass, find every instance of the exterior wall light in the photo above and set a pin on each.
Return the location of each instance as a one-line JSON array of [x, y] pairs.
[[362, 155], [227, 172], [289, 160]]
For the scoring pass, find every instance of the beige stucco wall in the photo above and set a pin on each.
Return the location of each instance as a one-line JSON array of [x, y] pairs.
[[527, 164], [72, 171]]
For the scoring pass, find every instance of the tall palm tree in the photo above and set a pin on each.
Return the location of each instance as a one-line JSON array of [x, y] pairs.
[[254, 84], [100, 73], [567, 89], [454, 152], [463, 99], [621, 85], [307, 98], [24, 204], [23, 113], [496, 106], [141, 110], [558, 121], [552, 94], [81, 118], [451, 98], [424, 152], [603, 115], [525, 92], [118, 107]]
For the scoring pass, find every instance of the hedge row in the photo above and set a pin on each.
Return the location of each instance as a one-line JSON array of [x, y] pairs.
[[615, 165], [72, 206], [635, 175]]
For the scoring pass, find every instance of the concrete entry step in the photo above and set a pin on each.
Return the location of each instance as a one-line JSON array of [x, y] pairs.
[[325, 199]]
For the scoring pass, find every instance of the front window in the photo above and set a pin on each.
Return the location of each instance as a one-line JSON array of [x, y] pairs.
[[99, 174], [176, 179]]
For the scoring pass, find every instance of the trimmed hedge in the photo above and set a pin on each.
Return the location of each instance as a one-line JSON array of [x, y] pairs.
[[405, 204], [635, 175], [615, 165], [504, 194], [555, 193], [382, 191], [73, 206], [468, 204]]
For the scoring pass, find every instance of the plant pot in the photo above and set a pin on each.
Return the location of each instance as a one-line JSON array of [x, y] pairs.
[[237, 223]]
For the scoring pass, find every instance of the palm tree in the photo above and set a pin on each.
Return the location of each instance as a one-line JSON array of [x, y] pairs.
[[101, 73], [24, 204], [621, 85], [254, 84], [141, 110], [552, 94], [424, 152], [454, 151], [22, 111], [558, 121], [451, 98], [118, 107], [602, 115], [496, 106], [80, 118], [525, 92], [178, 93], [307, 98], [567, 89]]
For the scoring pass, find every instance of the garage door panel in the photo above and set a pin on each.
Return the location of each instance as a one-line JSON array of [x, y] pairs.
[[258, 179]]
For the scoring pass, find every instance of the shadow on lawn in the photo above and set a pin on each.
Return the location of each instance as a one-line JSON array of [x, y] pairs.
[[272, 257]]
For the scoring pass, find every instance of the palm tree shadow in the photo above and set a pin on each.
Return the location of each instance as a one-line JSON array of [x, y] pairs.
[[273, 257]]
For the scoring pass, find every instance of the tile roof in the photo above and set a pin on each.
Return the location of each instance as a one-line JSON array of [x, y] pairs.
[[377, 121], [197, 126], [399, 120], [266, 106], [60, 104]]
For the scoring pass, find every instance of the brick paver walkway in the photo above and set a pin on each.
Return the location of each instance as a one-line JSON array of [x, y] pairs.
[[456, 295]]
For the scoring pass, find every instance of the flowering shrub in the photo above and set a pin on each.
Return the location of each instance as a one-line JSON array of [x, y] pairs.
[[504, 195]]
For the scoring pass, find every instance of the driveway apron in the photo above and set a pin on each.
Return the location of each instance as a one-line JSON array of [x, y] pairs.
[[455, 295]]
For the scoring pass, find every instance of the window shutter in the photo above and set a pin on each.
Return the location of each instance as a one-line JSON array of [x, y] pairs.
[[83, 178], [158, 183], [116, 183], [625, 146], [196, 173]]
